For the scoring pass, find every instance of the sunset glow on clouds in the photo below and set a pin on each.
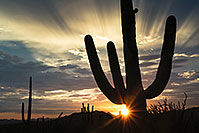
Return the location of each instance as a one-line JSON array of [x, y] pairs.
[[45, 39]]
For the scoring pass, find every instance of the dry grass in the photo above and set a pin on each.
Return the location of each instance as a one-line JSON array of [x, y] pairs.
[[167, 106]]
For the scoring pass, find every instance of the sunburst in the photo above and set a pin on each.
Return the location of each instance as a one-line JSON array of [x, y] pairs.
[[124, 111]]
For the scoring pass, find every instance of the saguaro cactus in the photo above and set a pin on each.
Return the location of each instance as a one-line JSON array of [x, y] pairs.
[[29, 100], [22, 112], [134, 96], [29, 104]]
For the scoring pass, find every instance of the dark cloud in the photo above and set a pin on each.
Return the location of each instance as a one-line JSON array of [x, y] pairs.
[[10, 104], [149, 57], [59, 80], [174, 66], [176, 61], [147, 64], [82, 71], [79, 95], [68, 66], [40, 106], [57, 111], [72, 57], [179, 94], [17, 49], [15, 74], [100, 98], [7, 57], [187, 50], [176, 7]]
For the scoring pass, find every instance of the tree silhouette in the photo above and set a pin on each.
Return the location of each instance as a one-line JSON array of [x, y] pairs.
[[134, 96]]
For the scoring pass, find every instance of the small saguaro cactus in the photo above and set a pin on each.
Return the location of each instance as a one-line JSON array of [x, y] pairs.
[[134, 96], [29, 104], [86, 113], [86, 109]]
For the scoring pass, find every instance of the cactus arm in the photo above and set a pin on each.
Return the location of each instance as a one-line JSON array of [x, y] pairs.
[[88, 108], [92, 108], [115, 69], [98, 73], [133, 76], [29, 101], [165, 65], [83, 108], [58, 118]]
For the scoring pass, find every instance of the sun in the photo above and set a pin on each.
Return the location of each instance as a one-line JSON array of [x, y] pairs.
[[124, 111]]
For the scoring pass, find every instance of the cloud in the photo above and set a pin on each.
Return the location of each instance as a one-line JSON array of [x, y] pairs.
[[83, 71], [176, 61], [147, 64], [44, 76], [54, 87], [61, 26], [68, 66], [79, 95], [189, 75], [17, 48], [7, 57], [149, 57]]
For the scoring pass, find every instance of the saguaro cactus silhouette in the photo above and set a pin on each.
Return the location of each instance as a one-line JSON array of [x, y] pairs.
[[134, 96], [29, 104]]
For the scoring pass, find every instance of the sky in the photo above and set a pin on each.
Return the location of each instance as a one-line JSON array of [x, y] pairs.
[[45, 39]]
